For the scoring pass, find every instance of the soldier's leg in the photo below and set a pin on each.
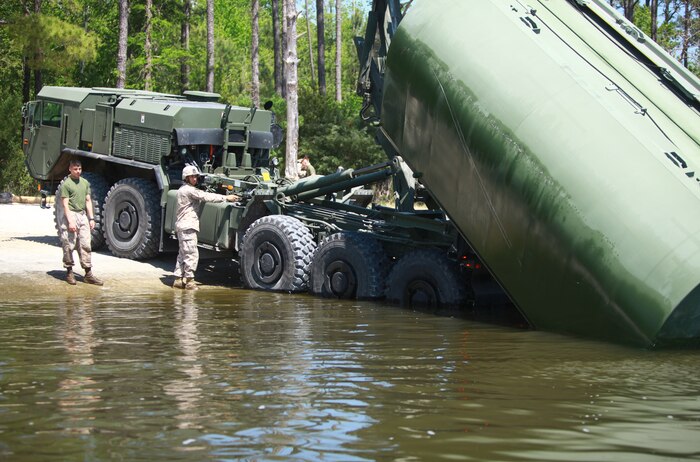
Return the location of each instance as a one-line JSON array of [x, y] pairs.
[[190, 256], [190, 260], [84, 241], [68, 241], [179, 263], [85, 250]]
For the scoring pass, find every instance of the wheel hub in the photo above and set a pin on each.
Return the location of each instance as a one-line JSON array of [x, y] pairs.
[[341, 279], [268, 262], [420, 293], [127, 221]]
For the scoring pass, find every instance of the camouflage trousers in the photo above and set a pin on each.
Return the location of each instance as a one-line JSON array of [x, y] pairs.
[[80, 240], [188, 256]]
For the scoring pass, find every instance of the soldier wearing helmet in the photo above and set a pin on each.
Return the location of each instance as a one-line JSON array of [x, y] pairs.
[[189, 199]]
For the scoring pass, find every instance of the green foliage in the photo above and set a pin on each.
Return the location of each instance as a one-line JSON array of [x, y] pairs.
[[52, 44], [667, 34], [13, 173], [332, 134], [166, 54]]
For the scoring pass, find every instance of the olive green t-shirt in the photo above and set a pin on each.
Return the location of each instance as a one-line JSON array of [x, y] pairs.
[[76, 191]]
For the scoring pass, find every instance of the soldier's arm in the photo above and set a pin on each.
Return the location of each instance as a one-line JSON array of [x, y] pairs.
[[211, 197], [68, 214], [90, 212]]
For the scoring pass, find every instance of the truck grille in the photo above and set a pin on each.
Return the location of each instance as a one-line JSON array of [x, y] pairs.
[[141, 146]]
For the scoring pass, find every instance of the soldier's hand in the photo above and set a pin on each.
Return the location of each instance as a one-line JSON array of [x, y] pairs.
[[233, 198]]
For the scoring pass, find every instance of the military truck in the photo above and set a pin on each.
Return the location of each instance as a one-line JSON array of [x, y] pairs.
[[319, 233], [133, 146]]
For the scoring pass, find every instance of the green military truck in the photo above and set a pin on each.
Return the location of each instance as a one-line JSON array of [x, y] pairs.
[[133, 146], [318, 233]]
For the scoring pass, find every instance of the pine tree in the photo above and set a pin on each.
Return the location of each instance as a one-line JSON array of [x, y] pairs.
[[122, 43]]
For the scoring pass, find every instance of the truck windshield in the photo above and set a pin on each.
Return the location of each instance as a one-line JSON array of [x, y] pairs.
[[51, 115]]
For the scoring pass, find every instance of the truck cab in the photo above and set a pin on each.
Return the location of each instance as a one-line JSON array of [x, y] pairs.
[[43, 135]]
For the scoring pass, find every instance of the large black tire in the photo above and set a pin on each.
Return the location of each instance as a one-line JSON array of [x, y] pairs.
[[349, 265], [98, 193], [132, 219], [276, 254], [426, 278]]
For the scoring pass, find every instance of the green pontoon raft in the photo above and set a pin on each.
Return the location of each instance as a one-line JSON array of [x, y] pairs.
[[565, 146]]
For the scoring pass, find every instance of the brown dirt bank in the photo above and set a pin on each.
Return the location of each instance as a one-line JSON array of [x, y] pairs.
[[30, 260]]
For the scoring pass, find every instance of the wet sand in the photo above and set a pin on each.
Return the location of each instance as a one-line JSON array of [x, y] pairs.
[[30, 259]]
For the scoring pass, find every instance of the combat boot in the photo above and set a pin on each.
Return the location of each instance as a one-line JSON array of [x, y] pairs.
[[179, 283], [190, 284], [70, 277], [91, 278]]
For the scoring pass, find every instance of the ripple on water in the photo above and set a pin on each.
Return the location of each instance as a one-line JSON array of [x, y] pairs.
[[235, 374]]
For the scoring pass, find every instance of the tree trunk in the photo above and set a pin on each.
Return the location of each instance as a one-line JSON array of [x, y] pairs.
[[86, 18], [277, 45], [255, 41], [284, 47], [311, 45], [210, 45], [185, 43], [338, 51], [27, 78], [321, 42], [654, 11], [685, 35], [290, 167], [38, 78], [147, 47], [628, 8], [121, 47]]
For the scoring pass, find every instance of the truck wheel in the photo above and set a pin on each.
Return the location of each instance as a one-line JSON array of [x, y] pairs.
[[426, 278], [276, 254], [98, 192], [132, 219], [349, 265]]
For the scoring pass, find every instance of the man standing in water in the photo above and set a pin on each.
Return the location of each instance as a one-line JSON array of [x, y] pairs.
[[78, 222], [189, 198]]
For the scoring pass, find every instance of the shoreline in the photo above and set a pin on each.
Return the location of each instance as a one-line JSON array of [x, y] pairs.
[[30, 256]]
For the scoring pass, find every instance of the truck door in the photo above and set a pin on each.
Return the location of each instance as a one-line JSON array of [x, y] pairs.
[[45, 138], [102, 135]]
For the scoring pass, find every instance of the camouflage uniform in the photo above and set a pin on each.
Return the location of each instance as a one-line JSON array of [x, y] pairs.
[[76, 191], [189, 200], [80, 240]]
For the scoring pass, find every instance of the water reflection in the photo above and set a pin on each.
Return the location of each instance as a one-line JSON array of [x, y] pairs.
[[184, 388], [284, 384], [78, 395], [240, 375]]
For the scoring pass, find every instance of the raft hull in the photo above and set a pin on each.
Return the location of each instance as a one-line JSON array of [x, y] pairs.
[[555, 153]]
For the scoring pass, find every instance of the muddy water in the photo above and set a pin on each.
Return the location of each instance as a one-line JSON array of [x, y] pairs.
[[229, 374]]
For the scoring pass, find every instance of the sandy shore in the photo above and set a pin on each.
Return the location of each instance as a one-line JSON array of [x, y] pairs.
[[30, 256]]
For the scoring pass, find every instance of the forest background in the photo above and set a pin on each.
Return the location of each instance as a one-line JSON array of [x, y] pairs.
[[216, 45]]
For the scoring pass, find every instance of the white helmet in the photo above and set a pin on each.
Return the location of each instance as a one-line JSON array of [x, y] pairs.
[[189, 170]]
